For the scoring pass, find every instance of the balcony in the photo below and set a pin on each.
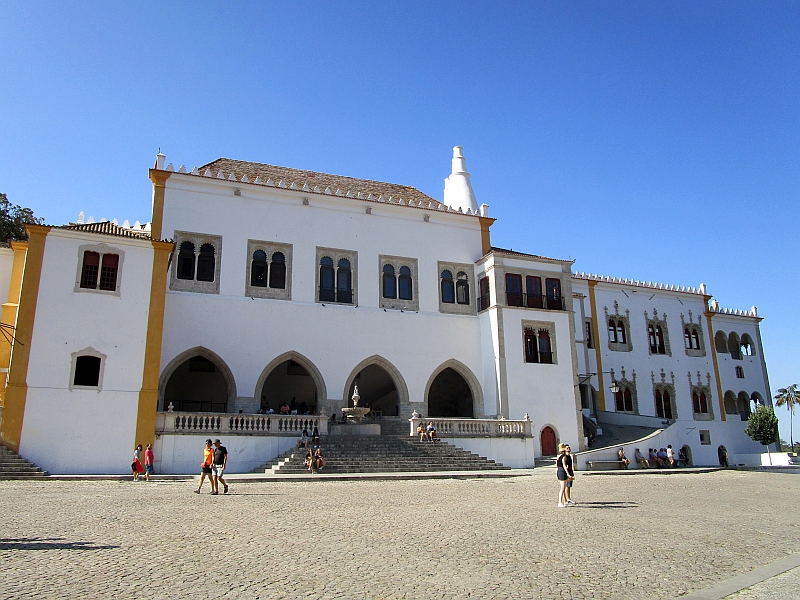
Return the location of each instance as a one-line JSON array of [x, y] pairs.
[[535, 301]]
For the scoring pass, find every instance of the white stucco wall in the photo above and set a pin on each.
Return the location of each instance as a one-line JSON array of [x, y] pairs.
[[177, 454], [517, 453], [86, 431], [6, 263]]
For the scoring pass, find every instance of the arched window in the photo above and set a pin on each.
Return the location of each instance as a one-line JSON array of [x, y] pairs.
[[108, 272], [622, 338], [462, 288], [327, 287], [660, 339], [277, 271], [721, 341], [91, 266], [545, 351], [344, 282], [531, 347], [448, 289], [389, 282], [612, 331], [651, 336], [687, 339], [667, 405], [628, 400], [206, 263], [747, 345], [740, 372], [623, 400], [258, 269], [405, 285], [696, 402], [696, 339], [186, 261], [663, 405], [703, 403]]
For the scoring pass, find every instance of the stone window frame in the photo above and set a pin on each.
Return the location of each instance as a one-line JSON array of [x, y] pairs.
[[704, 389], [655, 322], [88, 351], [705, 437], [536, 326], [455, 308], [630, 384], [588, 333], [101, 249], [192, 285], [396, 262], [696, 328], [336, 254], [254, 291], [665, 386], [627, 345]]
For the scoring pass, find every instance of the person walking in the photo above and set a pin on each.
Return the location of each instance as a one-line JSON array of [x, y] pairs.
[[149, 457], [220, 463], [205, 468], [569, 463], [136, 465], [561, 474]]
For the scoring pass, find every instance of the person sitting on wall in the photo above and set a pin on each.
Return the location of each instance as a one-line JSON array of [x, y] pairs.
[[431, 431], [654, 460], [284, 409], [421, 431], [662, 454], [270, 411], [303, 441], [641, 460], [622, 458]]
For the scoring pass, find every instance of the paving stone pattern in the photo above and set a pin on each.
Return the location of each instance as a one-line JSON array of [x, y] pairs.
[[648, 536]]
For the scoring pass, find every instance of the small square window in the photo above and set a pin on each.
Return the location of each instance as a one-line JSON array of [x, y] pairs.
[[87, 370], [705, 437]]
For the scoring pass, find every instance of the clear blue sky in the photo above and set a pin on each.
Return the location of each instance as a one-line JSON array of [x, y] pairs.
[[657, 141]]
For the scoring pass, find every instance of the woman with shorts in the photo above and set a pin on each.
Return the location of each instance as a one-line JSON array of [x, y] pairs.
[[205, 468], [561, 474]]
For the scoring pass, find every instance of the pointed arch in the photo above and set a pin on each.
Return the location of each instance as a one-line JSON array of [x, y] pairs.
[[394, 373], [469, 377], [548, 440], [313, 371], [181, 358]]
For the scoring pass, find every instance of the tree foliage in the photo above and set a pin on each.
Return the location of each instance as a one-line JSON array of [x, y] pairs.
[[762, 426], [789, 397], [13, 219]]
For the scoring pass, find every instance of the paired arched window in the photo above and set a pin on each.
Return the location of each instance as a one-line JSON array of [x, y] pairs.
[[335, 284], [327, 278], [389, 282], [259, 268], [747, 346], [699, 402], [616, 332], [663, 404], [739, 372], [623, 399], [405, 285], [656, 336], [344, 282], [691, 338], [99, 271], [206, 263], [205, 260], [538, 346]]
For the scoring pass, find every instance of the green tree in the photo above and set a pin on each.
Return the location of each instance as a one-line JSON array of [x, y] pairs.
[[762, 427], [789, 397], [13, 219]]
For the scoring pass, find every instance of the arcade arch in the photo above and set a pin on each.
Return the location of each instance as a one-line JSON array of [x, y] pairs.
[[293, 379], [380, 386], [453, 391], [197, 380]]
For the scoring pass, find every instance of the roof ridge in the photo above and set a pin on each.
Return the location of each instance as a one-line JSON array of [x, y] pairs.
[[701, 289]]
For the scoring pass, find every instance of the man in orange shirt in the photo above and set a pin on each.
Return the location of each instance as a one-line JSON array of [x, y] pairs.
[[205, 468]]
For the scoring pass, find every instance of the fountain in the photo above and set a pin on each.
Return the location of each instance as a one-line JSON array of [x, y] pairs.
[[355, 412]]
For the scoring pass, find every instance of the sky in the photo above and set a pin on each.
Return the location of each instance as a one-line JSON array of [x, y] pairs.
[[644, 140]]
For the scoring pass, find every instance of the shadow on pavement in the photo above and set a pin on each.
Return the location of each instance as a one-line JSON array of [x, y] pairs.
[[606, 505], [48, 544]]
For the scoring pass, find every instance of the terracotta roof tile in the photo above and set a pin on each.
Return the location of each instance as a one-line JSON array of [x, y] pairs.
[[515, 253], [107, 228]]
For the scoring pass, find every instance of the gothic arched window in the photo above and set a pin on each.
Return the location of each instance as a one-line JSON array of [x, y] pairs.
[[277, 271], [405, 287], [327, 287], [186, 261], [389, 282], [258, 269], [344, 282], [462, 288], [448, 289], [206, 263]]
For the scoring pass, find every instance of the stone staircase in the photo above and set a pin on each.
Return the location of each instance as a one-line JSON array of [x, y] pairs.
[[383, 454], [13, 466]]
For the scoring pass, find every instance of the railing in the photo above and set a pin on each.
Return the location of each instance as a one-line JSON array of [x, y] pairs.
[[534, 301], [222, 423], [483, 302], [474, 427]]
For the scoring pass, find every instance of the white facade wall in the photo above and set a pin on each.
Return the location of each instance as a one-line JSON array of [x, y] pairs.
[[755, 381], [249, 333], [6, 263], [80, 430], [182, 454]]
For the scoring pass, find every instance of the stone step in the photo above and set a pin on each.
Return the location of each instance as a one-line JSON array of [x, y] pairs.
[[13, 466]]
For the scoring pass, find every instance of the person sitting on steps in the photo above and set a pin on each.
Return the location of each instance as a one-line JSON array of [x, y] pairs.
[[319, 460], [309, 461], [431, 431], [421, 431]]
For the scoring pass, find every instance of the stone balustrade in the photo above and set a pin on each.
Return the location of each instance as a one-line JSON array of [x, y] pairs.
[[229, 423], [475, 427]]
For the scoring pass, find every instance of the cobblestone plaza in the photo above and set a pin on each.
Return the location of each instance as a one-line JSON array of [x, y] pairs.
[[630, 536]]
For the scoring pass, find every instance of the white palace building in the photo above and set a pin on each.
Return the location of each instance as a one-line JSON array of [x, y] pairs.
[[255, 286]]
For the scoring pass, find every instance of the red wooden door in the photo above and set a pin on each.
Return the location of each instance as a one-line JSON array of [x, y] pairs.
[[548, 439]]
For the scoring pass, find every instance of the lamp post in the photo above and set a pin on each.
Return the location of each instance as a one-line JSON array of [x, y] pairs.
[[614, 387]]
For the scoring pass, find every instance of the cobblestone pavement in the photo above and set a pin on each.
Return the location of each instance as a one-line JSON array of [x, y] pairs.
[[631, 536]]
